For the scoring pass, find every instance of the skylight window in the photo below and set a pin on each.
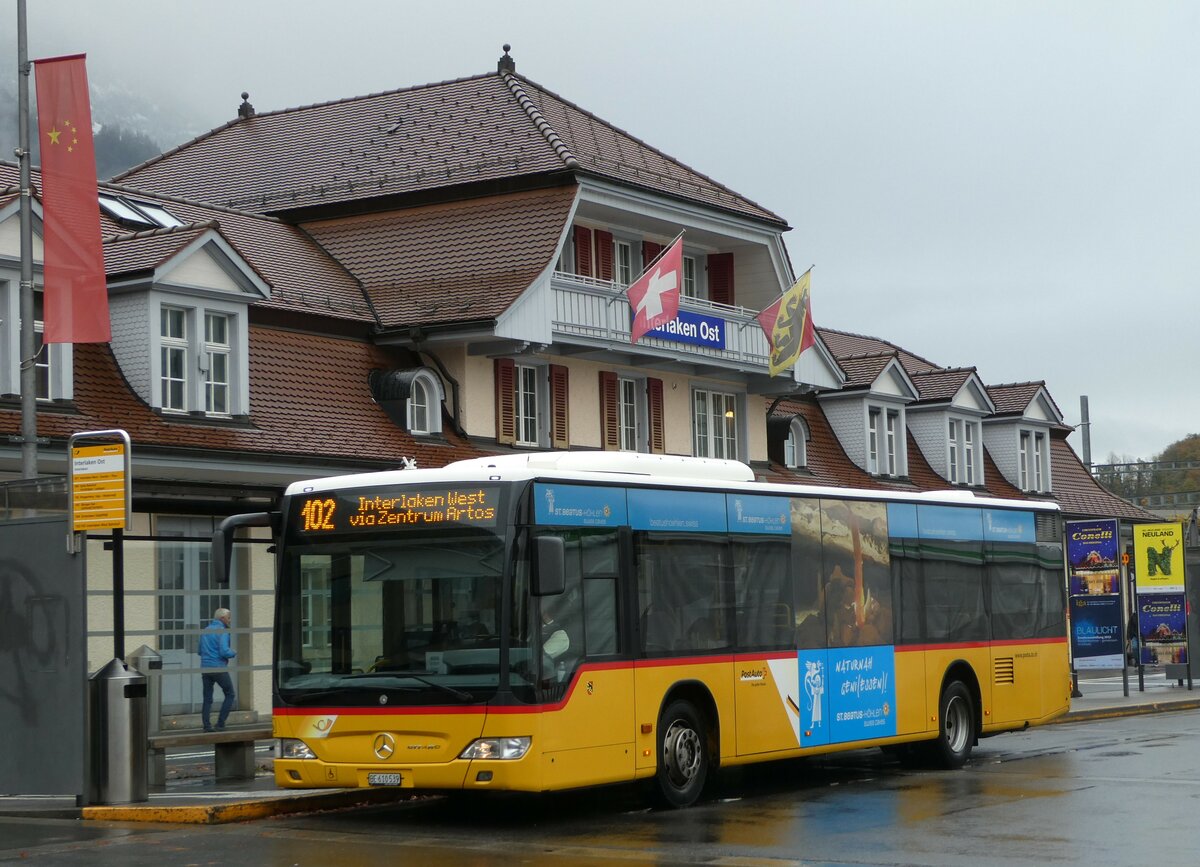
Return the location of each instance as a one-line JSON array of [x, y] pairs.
[[138, 213]]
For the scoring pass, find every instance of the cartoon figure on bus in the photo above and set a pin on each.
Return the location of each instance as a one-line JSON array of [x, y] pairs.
[[814, 688]]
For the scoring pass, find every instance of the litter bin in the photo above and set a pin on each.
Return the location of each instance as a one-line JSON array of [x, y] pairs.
[[117, 735], [146, 660]]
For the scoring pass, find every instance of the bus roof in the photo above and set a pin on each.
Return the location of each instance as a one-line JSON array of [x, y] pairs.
[[635, 468]]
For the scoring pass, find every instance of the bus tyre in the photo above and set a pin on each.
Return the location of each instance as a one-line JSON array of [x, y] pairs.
[[956, 727], [682, 755]]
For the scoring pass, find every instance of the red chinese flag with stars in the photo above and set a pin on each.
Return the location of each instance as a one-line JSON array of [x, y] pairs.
[[76, 297], [654, 296]]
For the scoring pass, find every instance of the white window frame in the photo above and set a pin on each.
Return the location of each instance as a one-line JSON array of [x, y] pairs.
[[1033, 460], [531, 410], [215, 354], [624, 269], [885, 450], [56, 359], [430, 387], [963, 452], [173, 346], [716, 423], [971, 452], [198, 352], [955, 426], [795, 445]]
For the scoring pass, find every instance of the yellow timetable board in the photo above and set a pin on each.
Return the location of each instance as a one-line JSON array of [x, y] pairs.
[[99, 487]]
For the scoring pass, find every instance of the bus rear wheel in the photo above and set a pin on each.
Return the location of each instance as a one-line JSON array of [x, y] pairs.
[[683, 760], [956, 727]]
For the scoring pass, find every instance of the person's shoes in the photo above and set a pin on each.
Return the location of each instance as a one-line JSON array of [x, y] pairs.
[[220, 728], [208, 729]]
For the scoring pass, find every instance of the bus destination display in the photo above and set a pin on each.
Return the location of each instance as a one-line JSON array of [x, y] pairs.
[[374, 509]]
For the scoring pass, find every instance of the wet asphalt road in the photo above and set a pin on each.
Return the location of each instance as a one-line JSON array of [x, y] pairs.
[[1112, 792]]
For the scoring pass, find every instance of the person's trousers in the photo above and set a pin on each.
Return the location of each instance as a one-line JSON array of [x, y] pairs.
[[223, 680]]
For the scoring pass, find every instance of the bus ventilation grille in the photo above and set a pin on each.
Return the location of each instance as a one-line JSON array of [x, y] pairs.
[[1048, 528], [1004, 671]]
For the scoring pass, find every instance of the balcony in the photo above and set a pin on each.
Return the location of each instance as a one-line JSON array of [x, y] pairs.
[[595, 313]]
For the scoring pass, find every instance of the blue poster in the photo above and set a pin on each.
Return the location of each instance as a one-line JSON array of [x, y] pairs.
[[749, 513], [1096, 632], [1162, 628], [695, 511], [579, 505], [1092, 545], [847, 694]]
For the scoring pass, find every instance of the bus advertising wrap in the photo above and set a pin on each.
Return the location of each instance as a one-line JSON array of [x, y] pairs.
[[847, 694]]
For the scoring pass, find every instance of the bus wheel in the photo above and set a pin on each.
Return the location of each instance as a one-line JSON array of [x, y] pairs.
[[682, 755], [956, 727]]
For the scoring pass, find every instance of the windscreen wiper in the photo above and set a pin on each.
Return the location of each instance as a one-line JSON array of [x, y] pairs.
[[422, 677]]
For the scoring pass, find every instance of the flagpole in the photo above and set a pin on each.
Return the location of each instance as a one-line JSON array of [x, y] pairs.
[[29, 457]]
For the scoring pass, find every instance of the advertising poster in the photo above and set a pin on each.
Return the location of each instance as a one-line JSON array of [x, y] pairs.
[[1096, 631], [1158, 552], [1162, 628], [1092, 557], [848, 694]]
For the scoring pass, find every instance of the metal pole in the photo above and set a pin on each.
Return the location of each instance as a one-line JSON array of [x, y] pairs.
[[118, 566], [1085, 422], [28, 352]]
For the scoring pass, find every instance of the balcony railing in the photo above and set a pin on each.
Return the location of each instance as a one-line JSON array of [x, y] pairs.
[[598, 312]]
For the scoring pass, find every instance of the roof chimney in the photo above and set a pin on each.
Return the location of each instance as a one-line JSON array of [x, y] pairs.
[[506, 63], [245, 110]]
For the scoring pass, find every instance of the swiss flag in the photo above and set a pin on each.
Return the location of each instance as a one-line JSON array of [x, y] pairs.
[[76, 302], [654, 296]]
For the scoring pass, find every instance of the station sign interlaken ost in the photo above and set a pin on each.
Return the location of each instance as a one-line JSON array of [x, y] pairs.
[[99, 487]]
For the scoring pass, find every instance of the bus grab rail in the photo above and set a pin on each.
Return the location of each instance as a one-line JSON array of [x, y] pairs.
[[222, 539]]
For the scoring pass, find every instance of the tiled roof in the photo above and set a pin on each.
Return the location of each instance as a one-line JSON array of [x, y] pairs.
[[940, 385], [862, 370], [483, 128], [145, 251], [465, 260], [844, 344], [827, 463], [1080, 495], [326, 413], [1013, 398]]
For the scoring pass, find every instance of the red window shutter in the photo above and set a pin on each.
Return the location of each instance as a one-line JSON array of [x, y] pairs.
[[609, 418], [506, 416], [649, 251], [583, 251], [654, 401], [720, 278], [559, 414], [604, 255]]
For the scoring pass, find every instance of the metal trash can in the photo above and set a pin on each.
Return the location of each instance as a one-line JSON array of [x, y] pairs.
[[148, 661], [117, 739]]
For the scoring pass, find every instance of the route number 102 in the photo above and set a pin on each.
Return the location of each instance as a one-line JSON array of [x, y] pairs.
[[318, 514]]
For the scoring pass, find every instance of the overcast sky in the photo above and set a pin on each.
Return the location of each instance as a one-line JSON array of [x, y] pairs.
[[1006, 185]]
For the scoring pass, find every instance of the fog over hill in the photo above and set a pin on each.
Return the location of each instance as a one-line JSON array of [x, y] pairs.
[[128, 127]]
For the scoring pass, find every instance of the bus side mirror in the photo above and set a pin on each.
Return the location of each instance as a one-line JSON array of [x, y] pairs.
[[222, 540], [549, 566]]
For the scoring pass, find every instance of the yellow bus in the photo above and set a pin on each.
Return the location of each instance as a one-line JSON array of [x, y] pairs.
[[556, 620]]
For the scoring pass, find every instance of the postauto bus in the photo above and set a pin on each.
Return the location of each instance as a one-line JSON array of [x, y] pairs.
[[556, 620]]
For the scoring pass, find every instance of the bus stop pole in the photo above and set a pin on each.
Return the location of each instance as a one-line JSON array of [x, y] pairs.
[[118, 562]]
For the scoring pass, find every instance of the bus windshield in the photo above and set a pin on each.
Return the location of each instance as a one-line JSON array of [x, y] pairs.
[[414, 618]]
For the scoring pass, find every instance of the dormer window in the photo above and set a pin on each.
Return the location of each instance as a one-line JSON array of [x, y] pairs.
[[201, 367], [885, 437], [795, 445], [424, 403], [1033, 461], [964, 456]]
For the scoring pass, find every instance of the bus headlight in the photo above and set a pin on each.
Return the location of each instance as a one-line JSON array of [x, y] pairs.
[[497, 748], [291, 748]]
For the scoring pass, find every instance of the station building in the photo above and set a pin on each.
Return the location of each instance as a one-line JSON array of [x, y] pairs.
[[435, 273]]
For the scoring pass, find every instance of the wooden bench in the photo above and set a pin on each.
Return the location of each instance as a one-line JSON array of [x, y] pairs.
[[233, 749]]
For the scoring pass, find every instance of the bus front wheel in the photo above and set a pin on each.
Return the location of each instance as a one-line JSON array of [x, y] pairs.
[[682, 754], [956, 727]]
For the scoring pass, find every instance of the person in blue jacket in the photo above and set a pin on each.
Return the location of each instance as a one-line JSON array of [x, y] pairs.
[[215, 654]]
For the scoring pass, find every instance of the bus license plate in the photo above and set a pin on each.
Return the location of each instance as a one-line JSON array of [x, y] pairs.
[[383, 779]]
